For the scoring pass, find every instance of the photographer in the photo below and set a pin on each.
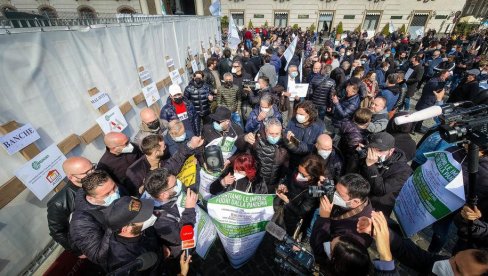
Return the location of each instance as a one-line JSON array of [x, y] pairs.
[[385, 168]]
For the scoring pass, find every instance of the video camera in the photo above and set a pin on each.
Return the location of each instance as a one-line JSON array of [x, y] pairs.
[[328, 189], [250, 83], [290, 255]]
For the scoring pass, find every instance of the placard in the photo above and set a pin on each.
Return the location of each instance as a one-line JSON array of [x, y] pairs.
[[112, 121], [144, 75], [299, 89], [263, 50], [170, 62], [175, 77], [99, 99], [44, 172], [194, 65], [20, 138], [408, 73], [151, 93], [188, 173]]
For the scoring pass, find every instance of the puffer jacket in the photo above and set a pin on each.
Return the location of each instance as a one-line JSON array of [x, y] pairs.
[[59, 209], [88, 232], [273, 160], [168, 113], [351, 137], [198, 96], [229, 97], [345, 109], [386, 180], [401, 98], [319, 90]]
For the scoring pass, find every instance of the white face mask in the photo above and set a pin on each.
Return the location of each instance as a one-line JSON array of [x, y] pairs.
[[266, 110], [324, 153], [233, 70], [178, 188], [238, 175], [258, 86], [301, 178], [128, 149], [382, 158], [339, 201], [328, 250], [301, 118], [149, 222], [442, 268]]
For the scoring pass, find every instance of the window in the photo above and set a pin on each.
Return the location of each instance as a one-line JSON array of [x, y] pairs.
[[441, 16], [325, 21], [48, 12], [419, 20], [238, 18], [87, 13], [126, 10], [371, 21], [396, 17], [281, 19], [349, 16]]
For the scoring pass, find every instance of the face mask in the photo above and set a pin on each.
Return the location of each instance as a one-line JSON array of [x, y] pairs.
[[180, 138], [154, 125], [382, 158], [228, 84], [341, 54], [128, 149], [242, 48], [198, 81], [273, 140], [149, 222], [327, 250], [326, 57], [178, 100], [387, 55], [294, 74], [442, 268], [324, 153], [301, 118], [363, 61], [348, 53], [301, 178], [339, 201], [217, 126], [111, 198], [177, 189], [233, 70], [266, 110], [258, 86], [238, 175]]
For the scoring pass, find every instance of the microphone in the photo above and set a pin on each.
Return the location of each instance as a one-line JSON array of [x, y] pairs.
[[421, 115], [278, 233], [141, 263]]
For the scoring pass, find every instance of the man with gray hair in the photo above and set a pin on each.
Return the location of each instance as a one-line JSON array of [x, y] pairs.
[[266, 110], [177, 136], [268, 149], [229, 95], [288, 82]]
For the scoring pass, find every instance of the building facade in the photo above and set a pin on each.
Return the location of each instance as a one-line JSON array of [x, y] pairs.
[[369, 15], [476, 8]]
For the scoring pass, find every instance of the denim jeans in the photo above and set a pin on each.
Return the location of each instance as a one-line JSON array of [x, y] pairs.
[[406, 105]]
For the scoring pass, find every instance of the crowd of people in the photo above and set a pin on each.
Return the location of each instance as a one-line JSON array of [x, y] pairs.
[[342, 131]]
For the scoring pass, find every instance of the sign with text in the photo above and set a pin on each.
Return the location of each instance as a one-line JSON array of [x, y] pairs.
[[194, 65], [175, 77], [170, 62], [299, 89], [144, 75], [151, 93], [99, 99], [112, 121], [20, 138], [44, 172]]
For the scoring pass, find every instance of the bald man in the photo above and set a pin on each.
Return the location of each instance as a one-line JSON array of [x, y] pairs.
[[120, 153], [62, 204], [150, 124], [379, 120], [332, 156]]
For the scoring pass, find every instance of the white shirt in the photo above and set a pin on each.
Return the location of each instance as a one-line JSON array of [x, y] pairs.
[[291, 83]]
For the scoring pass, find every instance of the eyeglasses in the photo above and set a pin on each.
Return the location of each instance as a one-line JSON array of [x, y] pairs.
[[235, 66], [91, 170]]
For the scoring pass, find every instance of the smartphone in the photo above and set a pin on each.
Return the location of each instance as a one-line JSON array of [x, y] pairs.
[[294, 140]]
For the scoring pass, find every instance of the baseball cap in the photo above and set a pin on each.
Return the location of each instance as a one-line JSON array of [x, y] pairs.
[[382, 141], [475, 72], [174, 89], [221, 113], [127, 210]]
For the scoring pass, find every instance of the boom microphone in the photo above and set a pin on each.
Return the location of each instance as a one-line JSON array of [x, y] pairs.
[[280, 234], [141, 263], [427, 113]]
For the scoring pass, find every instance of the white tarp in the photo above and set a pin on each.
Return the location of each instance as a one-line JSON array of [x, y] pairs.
[[45, 79]]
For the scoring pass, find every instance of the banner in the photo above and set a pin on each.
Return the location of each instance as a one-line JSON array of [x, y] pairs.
[[290, 51], [391, 27], [240, 219], [433, 191], [206, 179], [234, 38], [188, 173], [204, 230], [228, 147]]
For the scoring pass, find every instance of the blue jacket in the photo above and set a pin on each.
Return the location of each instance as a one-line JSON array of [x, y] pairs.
[[253, 124], [276, 62], [391, 95], [345, 109], [433, 63], [307, 135], [168, 113], [174, 146], [381, 78]]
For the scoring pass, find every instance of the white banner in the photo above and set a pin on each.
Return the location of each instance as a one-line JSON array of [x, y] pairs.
[[112, 121], [240, 219], [206, 179], [290, 51], [20, 138], [151, 93], [233, 38], [175, 77], [433, 191], [44, 172]]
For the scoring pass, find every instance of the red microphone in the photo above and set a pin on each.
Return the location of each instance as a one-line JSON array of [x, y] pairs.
[[187, 240]]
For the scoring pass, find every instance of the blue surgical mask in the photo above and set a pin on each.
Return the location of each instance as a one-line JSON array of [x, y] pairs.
[[328, 250], [443, 268], [217, 126], [180, 138], [294, 74], [111, 198], [178, 188], [273, 140]]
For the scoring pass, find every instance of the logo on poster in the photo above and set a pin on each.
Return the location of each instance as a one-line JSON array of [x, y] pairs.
[[37, 164], [53, 176]]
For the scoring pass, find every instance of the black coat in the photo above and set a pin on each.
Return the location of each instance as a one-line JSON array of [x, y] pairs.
[[386, 181], [59, 209], [428, 99], [319, 90], [404, 142], [198, 96], [415, 78], [465, 91], [335, 165], [344, 110]]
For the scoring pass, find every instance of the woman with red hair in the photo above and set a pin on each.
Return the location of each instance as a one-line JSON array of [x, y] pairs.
[[242, 175]]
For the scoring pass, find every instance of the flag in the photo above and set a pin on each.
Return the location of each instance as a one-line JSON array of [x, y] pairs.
[[233, 38], [392, 28], [300, 69], [290, 51], [214, 8]]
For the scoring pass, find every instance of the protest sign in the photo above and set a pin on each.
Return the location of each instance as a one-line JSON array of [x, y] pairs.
[[20, 138], [175, 77], [188, 173], [99, 99], [43, 172], [240, 219], [206, 179], [151, 93], [228, 147], [144, 75], [170, 62], [299, 89], [433, 191], [194, 65], [112, 121]]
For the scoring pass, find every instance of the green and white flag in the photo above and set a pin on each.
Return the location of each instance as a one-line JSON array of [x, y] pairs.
[[240, 219], [433, 191]]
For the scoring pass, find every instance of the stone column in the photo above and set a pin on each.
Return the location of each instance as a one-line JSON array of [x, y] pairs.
[[199, 7], [144, 8], [157, 4]]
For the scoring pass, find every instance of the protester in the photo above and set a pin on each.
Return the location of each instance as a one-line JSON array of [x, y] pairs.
[[379, 119], [265, 111], [179, 108], [391, 92], [345, 107], [413, 79], [177, 136], [150, 124], [401, 133], [332, 156], [319, 91], [229, 96], [200, 95]]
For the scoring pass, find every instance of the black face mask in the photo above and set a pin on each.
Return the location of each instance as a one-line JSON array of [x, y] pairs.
[[198, 81], [228, 84], [178, 100], [154, 125]]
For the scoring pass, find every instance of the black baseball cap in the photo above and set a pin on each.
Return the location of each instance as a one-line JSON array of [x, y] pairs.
[[127, 210], [382, 141], [221, 113]]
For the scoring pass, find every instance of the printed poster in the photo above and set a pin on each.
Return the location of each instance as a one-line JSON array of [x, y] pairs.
[[112, 121], [151, 93], [188, 173]]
